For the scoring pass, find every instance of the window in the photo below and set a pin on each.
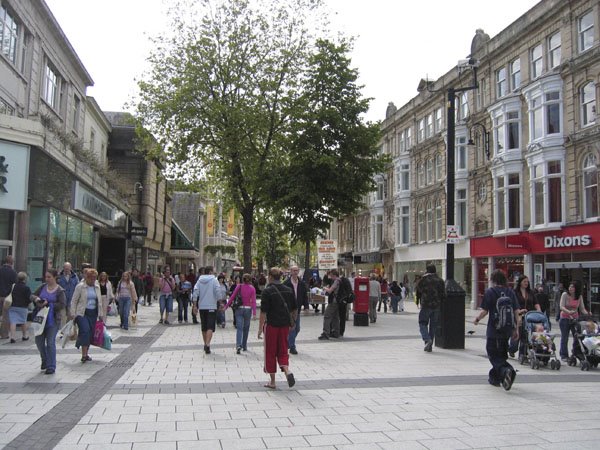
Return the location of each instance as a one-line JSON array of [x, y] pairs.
[[461, 153], [421, 131], [430, 229], [429, 126], [545, 115], [554, 50], [6, 108], [378, 230], [439, 167], [429, 171], [438, 220], [461, 211], [9, 33], [501, 82], [515, 74], [462, 108], [408, 137], [76, 112], [51, 87], [536, 61], [379, 196], [508, 202], [402, 142], [421, 174], [421, 224], [585, 31], [547, 195], [507, 132], [590, 187], [481, 94], [438, 120], [405, 221], [588, 104], [93, 141], [404, 177]]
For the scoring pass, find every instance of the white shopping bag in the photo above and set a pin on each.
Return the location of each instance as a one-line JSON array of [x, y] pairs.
[[39, 321]]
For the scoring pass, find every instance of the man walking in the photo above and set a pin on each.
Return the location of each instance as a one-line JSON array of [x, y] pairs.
[[206, 294], [68, 281], [300, 290], [138, 283], [8, 277], [277, 309], [148, 286], [374, 297], [431, 293], [331, 320]]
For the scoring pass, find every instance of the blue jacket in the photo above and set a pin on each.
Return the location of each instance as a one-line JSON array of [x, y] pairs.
[[68, 286], [207, 291]]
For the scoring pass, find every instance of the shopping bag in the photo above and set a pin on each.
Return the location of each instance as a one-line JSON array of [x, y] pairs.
[[98, 338], [107, 344], [112, 310], [133, 319], [39, 321], [65, 333]]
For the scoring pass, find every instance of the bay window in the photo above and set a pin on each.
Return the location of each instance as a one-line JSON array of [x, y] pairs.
[[460, 213], [545, 112], [405, 177], [547, 180], [590, 187], [461, 153], [403, 225], [507, 191]]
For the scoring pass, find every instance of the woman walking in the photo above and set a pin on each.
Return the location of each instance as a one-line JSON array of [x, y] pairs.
[[167, 288], [244, 312], [52, 296], [106, 291], [571, 304], [87, 307], [222, 301], [527, 302], [127, 298], [17, 313]]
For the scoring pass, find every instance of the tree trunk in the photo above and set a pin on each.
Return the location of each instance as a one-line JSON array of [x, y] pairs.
[[307, 262], [248, 218]]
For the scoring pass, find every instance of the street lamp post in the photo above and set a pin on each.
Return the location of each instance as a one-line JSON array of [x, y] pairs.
[[451, 332]]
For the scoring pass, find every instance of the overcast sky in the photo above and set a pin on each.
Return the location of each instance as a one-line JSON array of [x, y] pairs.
[[398, 41]]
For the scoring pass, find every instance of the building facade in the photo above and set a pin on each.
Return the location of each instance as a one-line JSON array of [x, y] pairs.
[[527, 158]]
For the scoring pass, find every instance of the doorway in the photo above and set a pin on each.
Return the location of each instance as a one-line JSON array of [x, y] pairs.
[[586, 274]]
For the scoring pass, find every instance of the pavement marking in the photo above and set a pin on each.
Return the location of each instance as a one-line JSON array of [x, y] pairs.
[[49, 429]]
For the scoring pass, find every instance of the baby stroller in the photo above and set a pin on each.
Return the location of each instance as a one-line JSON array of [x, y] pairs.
[[588, 357], [540, 350]]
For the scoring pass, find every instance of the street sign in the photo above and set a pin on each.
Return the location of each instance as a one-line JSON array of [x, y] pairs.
[[138, 231], [327, 254], [452, 236]]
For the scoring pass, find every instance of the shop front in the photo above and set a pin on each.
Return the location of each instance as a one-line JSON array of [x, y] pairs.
[[548, 258], [366, 263]]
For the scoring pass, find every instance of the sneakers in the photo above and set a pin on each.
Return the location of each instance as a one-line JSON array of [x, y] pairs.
[[428, 345], [323, 337], [49, 371], [239, 350], [160, 321], [509, 379], [166, 322], [293, 351]]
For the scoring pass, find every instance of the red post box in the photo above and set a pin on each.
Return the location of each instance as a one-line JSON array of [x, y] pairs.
[[361, 301]]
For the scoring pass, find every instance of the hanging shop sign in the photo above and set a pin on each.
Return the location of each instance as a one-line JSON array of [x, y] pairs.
[[90, 204], [14, 176]]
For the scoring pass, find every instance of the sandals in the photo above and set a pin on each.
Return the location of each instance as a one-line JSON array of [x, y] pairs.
[[269, 386], [85, 358], [290, 379]]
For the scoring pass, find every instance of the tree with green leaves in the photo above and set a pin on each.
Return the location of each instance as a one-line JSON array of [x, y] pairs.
[[271, 241], [224, 94], [334, 154]]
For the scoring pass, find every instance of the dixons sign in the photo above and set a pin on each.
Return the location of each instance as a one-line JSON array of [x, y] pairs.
[[567, 241]]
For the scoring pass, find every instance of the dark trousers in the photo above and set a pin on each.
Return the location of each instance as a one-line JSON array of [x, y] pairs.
[[148, 296], [428, 319], [342, 307], [182, 308], [497, 351], [566, 326]]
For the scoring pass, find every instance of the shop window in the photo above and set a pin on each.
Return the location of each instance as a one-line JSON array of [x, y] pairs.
[[587, 94], [590, 187]]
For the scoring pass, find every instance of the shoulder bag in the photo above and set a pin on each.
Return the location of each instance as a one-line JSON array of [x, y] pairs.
[[287, 309], [8, 298]]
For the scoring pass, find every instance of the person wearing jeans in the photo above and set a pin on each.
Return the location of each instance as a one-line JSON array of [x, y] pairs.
[[166, 285], [126, 294], [244, 312], [431, 292], [571, 305], [301, 295]]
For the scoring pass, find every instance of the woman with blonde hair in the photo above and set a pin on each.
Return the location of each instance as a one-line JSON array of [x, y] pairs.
[[87, 307], [106, 291], [127, 297]]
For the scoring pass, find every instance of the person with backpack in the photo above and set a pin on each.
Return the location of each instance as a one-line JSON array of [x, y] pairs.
[[344, 297], [396, 295], [431, 293], [501, 303]]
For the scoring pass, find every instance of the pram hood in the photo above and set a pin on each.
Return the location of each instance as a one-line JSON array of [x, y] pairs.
[[534, 317]]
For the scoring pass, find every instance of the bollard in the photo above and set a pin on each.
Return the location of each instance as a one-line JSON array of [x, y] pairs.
[[450, 332]]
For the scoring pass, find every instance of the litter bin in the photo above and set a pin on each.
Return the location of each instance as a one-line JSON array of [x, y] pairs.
[[361, 302]]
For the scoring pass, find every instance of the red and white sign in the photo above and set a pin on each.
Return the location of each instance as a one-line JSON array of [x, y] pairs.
[[327, 257]]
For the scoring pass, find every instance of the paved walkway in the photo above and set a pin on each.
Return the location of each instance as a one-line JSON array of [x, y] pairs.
[[374, 389]]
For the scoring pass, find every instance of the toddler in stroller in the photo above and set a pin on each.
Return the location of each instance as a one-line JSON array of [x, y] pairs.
[[537, 343], [586, 346]]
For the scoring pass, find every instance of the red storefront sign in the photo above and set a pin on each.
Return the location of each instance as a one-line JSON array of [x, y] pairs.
[[572, 239]]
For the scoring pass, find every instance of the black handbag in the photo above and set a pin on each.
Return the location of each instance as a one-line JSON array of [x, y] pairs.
[[237, 301]]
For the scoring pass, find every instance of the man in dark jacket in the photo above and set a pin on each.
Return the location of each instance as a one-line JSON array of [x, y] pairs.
[[277, 304], [8, 277], [139, 286], [431, 293], [68, 280], [300, 290]]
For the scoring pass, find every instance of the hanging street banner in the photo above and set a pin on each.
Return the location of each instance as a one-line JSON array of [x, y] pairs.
[[231, 222], [210, 220], [327, 254]]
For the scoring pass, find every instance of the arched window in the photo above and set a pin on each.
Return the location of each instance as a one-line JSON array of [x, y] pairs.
[[429, 171], [590, 187], [421, 224], [421, 174], [430, 229], [588, 104], [439, 167], [438, 220]]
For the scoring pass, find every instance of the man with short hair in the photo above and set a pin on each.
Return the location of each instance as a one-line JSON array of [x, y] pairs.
[[374, 297], [8, 277], [148, 286], [68, 281], [431, 293], [300, 290], [277, 308], [331, 320], [206, 294]]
